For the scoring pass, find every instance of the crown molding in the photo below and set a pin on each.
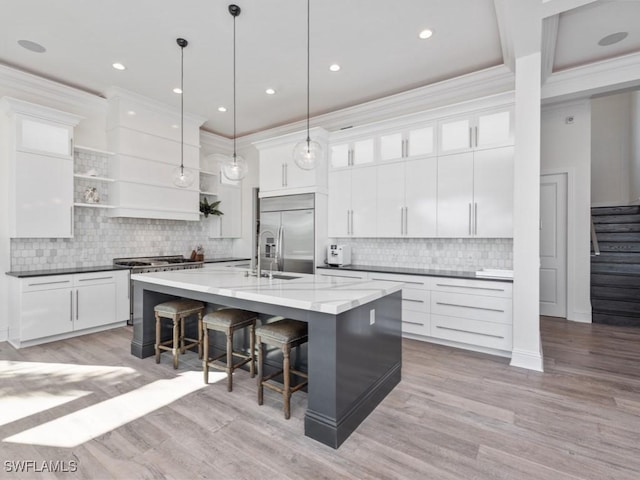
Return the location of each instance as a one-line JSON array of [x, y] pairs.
[[549, 39], [43, 90], [593, 79], [555, 7], [15, 105], [483, 83], [218, 143], [151, 104]]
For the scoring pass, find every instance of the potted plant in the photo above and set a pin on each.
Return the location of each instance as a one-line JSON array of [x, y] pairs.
[[209, 208]]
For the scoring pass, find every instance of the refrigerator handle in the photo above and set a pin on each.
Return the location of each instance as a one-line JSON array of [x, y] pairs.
[[280, 249]]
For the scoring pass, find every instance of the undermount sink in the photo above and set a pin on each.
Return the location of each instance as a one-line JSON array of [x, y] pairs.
[[279, 276]]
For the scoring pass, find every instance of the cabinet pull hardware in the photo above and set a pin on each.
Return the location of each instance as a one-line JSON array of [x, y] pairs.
[[470, 139], [469, 331], [469, 219], [47, 283], [71, 305], [475, 218], [71, 226], [77, 305], [412, 300], [350, 158], [406, 220], [467, 286], [95, 278], [286, 174], [476, 128], [282, 175], [348, 224], [470, 307], [401, 220], [413, 323], [399, 281]]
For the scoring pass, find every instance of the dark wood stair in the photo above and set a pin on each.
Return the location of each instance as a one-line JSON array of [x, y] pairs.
[[615, 273]]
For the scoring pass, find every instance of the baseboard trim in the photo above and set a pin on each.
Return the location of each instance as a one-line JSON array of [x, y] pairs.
[[527, 359]]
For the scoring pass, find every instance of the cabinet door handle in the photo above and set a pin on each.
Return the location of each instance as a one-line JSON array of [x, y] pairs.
[[46, 283], [470, 138], [282, 175], [401, 220], [71, 218], [468, 286], [469, 219], [351, 222], [110, 277], [476, 128], [348, 224], [469, 331], [475, 218], [406, 220], [77, 303], [286, 174], [351, 155], [413, 323], [71, 147], [470, 307], [71, 305], [412, 300]]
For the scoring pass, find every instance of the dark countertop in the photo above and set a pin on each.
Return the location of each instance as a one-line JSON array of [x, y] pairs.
[[417, 271], [64, 271], [227, 259]]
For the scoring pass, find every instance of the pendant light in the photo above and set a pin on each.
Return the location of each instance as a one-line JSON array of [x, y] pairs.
[[182, 177], [234, 168], [307, 152]]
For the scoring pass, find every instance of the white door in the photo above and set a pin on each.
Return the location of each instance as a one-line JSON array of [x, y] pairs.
[[339, 214], [493, 193], [421, 188], [364, 194], [455, 195], [390, 199], [553, 245]]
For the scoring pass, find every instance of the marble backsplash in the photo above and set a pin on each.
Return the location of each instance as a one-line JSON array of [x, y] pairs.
[[458, 254]]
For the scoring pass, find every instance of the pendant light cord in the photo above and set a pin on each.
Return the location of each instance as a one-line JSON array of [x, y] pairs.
[[308, 75], [234, 89], [181, 110]]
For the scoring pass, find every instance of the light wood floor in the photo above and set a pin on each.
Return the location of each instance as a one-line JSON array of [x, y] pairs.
[[455, 415]]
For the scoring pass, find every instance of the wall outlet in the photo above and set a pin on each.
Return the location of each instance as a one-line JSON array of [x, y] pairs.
[[372, 316]]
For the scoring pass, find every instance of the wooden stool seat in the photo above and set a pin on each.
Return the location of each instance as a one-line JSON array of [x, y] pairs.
[[178, 311], [284, 334], [228, 320]]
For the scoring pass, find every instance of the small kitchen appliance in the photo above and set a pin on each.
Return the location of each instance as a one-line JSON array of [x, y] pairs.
[[339, 255]]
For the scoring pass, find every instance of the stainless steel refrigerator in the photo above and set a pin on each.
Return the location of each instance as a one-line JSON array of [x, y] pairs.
[[286, 235]]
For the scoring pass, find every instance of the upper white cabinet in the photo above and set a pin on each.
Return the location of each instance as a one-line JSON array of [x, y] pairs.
[[356, 152], [279, 175], [417, 141], [352, 202], [487, 129], [475, 194], [407, 193], [40, 154], [147, 149]]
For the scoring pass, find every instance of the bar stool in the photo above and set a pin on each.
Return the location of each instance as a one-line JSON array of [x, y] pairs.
[[177, 311], [228, 320], [284, 334]]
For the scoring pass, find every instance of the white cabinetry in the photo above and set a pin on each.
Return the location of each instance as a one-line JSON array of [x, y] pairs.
[[48, 308], [279, 175], [410, 142], [343, 274], [147, 150], [486, 129], [40, 157], [407, 192], [352, 202], [473, 312], [475, 194], [355, 152]]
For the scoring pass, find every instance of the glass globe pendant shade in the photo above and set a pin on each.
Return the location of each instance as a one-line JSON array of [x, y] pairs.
[[182, 177], [306, 154], [235, 168]]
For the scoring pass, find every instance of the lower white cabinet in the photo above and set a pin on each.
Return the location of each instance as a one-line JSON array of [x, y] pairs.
[[344, 274], [48, 308]]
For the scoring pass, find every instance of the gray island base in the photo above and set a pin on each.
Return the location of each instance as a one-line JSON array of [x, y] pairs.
[[354, 349]]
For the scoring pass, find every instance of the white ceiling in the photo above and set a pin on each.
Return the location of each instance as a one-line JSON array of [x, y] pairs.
[[375, 42]]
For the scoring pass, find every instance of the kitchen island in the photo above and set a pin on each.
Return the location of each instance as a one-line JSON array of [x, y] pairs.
[[354, 348]]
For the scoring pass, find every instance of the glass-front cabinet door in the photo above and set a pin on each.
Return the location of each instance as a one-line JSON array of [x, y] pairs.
[[41, 136]]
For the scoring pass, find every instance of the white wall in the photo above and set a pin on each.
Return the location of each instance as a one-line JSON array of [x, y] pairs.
[[566, 147], [634, 166], [611, 149]]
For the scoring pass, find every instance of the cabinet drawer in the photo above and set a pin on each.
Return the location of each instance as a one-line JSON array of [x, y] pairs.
[[412, 281], [415, 300], [415, 322], [473, 332], [476, 307], [475, 287], [32, 284], [94, 278]]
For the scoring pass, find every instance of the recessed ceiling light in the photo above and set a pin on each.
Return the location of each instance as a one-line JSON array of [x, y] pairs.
[[270, 91], [118, 66], [334, 67], [222, 109], [613, 38], [424, 34], [32, 46], [131, 112], [177, 90]]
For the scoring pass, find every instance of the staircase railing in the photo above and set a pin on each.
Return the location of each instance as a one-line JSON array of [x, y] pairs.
[[594, 239]]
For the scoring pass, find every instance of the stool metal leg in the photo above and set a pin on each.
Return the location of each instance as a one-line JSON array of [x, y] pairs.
[[260, 371], [205, 358], [158, 338], [286, 391], [229, 359], [252, 348]]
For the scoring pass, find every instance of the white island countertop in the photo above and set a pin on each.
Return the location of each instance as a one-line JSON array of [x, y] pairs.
[[307, 292]]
